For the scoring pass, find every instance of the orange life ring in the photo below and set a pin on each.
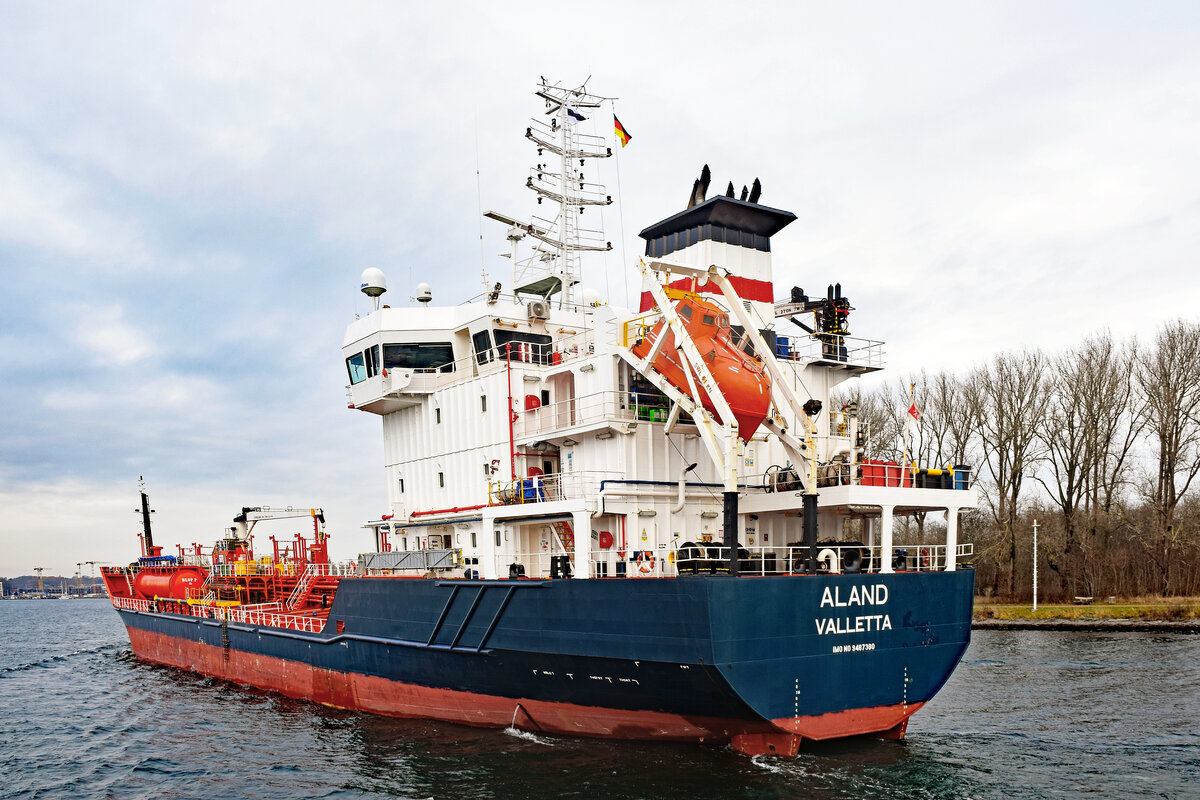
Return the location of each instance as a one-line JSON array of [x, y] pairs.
[[924, 557], [645, 562]]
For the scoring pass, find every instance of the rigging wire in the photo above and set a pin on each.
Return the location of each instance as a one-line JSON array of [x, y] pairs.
[[479, 206], [621, 214], [603, 226]]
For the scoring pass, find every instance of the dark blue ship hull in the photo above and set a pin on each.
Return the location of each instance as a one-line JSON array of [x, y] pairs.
[[761, 661]]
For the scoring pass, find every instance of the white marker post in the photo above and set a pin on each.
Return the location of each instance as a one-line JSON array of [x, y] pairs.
[[1035, 527]]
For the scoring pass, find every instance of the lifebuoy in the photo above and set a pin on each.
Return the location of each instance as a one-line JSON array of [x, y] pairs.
[[645, 562], [924, 557]]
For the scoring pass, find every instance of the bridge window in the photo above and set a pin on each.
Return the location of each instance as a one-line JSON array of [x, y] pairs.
[[356, 366], [372, 357], [531, 347], [483, 346], [419, 355]]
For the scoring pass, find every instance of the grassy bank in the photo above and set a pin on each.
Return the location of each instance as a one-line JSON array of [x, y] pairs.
[[1140, 608]]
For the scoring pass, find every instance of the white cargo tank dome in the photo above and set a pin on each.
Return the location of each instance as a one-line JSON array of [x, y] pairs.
[[373, 282], [424, 292]]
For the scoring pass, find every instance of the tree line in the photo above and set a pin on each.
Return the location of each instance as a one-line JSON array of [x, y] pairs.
[[1099, 443]]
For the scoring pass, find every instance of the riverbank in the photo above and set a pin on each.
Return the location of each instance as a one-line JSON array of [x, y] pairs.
[[1180, 614]]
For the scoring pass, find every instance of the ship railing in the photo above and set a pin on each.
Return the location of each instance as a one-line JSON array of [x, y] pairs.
[[828, 348], [321, 570], [131, 603], [702, 558], [549, 487], [238, 569], [570, 346], [273, 618], [567, 347], [270, 615], [868, 472], [521, 300], [422, 561], [829, 557], [331, 569], [588, 409]]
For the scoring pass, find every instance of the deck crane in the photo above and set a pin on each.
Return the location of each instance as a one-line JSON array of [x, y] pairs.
[[39, 571], [245, 521]]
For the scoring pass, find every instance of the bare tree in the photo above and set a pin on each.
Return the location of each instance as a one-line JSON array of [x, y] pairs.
[[1088, 434], [1007, 399], [1169, 379]]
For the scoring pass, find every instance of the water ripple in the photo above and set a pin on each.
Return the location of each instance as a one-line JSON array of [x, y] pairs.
[[1033, 714]]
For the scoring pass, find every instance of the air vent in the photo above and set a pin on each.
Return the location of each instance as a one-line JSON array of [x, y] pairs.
[[539, 309]]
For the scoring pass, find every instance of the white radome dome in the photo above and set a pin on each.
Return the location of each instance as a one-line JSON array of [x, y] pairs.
[[373, 282]]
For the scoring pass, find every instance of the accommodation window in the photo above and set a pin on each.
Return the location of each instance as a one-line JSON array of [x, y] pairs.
[[497, 538], [437, 416], [402, 486], [473, 538], [483, 403], [545, 397], [441, 480]]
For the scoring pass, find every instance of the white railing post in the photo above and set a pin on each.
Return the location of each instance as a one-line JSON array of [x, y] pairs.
[[885, 539], [951, 538], [581, 523]]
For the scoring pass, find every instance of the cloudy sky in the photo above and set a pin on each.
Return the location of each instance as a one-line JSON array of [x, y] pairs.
[[189, 192]]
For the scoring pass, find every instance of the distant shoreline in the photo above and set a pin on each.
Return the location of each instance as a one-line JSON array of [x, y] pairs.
[[1144, 625], [1181, 614]]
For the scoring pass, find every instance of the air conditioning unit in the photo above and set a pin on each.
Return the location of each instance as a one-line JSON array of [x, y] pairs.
[[539, 309]]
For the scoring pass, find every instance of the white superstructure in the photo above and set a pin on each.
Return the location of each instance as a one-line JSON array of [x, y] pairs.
[[520, 434]]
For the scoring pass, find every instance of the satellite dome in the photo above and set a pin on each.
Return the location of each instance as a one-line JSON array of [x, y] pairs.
[[373, 282], [424, 293], [589, 297]]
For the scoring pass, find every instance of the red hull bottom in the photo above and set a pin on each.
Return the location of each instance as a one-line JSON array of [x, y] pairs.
[[382, 696]]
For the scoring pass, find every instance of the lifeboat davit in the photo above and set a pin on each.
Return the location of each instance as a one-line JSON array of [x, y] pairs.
[[740, 376]]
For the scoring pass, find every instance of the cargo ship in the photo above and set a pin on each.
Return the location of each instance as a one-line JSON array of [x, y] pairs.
[[602, 522]]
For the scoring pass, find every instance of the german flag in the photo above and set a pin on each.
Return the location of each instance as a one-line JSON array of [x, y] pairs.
[[619, 129]]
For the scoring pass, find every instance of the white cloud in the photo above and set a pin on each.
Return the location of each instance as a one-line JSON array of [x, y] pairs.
[[212, 179], [108, 336]]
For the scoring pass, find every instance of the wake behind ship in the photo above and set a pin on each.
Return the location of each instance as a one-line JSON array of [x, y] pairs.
[[645, 525]]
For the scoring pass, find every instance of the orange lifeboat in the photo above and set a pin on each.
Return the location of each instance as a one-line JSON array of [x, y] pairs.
[[739, 375]]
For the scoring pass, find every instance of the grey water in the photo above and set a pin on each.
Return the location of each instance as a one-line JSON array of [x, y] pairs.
[[1028, 714]]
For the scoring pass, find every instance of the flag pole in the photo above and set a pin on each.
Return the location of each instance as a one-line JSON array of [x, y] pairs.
[[912, 399]]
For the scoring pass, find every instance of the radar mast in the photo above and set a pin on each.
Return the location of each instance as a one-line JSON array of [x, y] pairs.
[[558, 178]]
